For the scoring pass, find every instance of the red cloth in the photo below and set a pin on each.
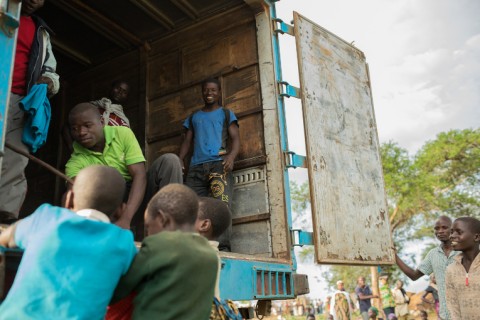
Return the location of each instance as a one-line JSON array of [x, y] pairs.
[[26, 33], [113, 119], [122, 310]]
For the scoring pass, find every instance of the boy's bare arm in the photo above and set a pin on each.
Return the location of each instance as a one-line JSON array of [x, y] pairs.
[[413, 274], [7, 237], [185, 147], [229, 159], [135, 197]]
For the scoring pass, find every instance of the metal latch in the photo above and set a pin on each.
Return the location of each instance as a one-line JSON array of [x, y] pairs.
[[301, 238], [293, 160]]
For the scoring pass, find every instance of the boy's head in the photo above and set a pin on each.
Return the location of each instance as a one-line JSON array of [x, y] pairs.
[[211, 91], [311, 317], [399, 284], [214, 217], [423, 314], [30, 6], [361, 282], [372, 313], [119, 92], [465, 234], [86, 127], [100, 188], [173, 208], [383, 279], [442, 228], [340, 285]]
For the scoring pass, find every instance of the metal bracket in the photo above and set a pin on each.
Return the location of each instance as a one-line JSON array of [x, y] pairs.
[[293, 160], [301, 238], [281, 27], [286, 90], [8, 22]]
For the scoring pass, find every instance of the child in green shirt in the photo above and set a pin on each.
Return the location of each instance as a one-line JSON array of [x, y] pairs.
[[175, 270]]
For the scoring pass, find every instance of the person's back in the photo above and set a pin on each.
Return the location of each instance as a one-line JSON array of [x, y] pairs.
[[181, 269], [74, 258], [174, 273], [77, 263]]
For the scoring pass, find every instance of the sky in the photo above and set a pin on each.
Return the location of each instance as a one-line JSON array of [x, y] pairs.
[[424, 62]]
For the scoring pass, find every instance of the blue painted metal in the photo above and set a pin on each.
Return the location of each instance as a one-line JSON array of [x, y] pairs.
[[295, 160], [9, 22], [282, 27], [248, 280], [287, 90], [283, 127], [301, 238]]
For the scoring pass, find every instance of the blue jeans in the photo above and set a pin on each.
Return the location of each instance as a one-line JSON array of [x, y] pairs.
[[210, 180]]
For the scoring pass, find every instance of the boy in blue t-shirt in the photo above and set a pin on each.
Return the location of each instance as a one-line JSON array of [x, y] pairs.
[[73, 258], [211, 164]]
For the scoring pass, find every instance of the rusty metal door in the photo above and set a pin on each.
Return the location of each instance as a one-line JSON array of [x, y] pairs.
[[350, 216]]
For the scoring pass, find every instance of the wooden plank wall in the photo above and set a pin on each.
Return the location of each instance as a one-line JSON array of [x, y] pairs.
[[179, 63]]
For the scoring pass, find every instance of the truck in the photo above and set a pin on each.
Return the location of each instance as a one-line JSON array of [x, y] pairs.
[[165, 49]]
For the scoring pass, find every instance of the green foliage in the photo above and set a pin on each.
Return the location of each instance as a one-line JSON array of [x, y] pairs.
[[299, 196]]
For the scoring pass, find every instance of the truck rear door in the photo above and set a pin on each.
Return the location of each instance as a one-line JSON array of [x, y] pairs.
[[350, 215]]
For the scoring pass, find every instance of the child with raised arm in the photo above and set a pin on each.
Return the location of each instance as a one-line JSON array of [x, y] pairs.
[[462, 278], [174, 272], [209, 129], [73, 258]]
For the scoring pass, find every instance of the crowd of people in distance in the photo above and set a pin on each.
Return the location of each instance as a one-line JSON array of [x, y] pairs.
[[454, 269]]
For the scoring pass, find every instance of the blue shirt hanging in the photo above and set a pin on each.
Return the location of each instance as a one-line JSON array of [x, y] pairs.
[[38, 110]]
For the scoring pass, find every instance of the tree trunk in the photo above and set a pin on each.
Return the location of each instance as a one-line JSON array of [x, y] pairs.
[[375, 290]]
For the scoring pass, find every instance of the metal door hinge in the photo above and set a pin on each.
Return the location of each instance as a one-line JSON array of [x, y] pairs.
[[293, 160], [301, 238]]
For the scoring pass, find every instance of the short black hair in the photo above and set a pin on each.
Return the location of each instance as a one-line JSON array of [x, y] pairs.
[[176, 200], [82, 107], [218, 213], [212, 80], [445, 218], [100, 188], [119, 82], [472, 223]]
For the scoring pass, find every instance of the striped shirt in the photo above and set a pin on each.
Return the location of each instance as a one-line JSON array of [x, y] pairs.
[[436, 262]]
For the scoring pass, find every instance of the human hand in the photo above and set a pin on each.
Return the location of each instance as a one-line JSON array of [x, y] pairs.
[[46, 81], [228, 161]]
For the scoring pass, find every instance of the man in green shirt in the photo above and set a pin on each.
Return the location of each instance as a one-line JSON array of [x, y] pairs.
[[174, 273], [117, 147]]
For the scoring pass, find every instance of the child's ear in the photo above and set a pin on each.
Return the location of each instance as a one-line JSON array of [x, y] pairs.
[[165, 221], [69, 200], [476, 237], [118, 213], [205, 225]]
